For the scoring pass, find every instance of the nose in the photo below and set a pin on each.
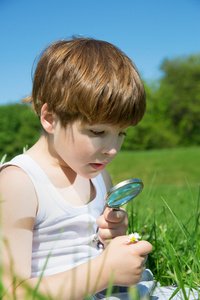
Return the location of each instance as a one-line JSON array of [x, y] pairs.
[[111, 147]]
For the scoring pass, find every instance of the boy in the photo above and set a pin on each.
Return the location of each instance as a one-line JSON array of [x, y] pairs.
[[86, 93]]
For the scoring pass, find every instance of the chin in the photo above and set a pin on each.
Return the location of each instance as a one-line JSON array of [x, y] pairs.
[[90, 175]]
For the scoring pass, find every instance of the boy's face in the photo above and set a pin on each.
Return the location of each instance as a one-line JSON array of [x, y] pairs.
[[85, 148]]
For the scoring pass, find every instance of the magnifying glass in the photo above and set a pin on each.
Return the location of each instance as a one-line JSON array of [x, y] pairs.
[[119, 195], [123, 192]]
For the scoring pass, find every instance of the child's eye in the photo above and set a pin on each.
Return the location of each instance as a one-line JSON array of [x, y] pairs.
[[122, 133], [95, 132]]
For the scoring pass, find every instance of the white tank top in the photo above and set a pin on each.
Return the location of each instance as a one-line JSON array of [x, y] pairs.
[[63, 234]]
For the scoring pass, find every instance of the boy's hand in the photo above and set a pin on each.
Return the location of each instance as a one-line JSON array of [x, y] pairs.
[[112, 223], [127, 262]]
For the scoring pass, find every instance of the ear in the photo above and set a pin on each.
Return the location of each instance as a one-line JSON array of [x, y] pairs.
[[47, 119]]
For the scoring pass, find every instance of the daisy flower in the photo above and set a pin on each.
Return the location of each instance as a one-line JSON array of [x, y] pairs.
[[133, 237]]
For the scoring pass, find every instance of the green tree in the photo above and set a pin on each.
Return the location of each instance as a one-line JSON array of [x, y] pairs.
[[180, 94], [19, 127], [173, 108], [153, 131]]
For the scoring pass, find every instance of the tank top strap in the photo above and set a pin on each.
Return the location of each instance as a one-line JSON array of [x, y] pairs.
[[26, 163]]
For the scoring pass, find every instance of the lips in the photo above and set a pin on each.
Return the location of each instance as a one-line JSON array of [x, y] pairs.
[[98, 167]]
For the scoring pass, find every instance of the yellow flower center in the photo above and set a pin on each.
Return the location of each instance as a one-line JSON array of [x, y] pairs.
[[133, 239]]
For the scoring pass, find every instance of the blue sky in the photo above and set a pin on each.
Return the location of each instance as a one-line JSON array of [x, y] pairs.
[[148, 31]]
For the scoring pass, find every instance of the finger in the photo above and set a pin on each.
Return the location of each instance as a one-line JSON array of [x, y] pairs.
[[144, 264], [144, 259], [141, 248], [115, 216], [103, 223], [143, 268], [111, 233]]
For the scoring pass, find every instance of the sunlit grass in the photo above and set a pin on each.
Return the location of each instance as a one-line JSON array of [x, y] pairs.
[[167, 211], [169, 174]]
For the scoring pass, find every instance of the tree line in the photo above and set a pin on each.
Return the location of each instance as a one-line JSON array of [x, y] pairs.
[[171, 119]]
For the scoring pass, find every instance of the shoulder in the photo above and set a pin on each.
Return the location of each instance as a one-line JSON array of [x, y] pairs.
[[12, 174], [16, 188], [107, 179]]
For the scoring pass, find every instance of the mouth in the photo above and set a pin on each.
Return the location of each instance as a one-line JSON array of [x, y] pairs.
[[98, 167]]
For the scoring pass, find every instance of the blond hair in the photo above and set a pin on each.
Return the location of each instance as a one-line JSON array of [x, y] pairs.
[[88, 79]]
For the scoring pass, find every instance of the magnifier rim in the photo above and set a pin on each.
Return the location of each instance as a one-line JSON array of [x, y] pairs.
[[123, 183]]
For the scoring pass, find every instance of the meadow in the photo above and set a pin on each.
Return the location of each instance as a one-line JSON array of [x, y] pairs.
[[166, 213], [171, 174]]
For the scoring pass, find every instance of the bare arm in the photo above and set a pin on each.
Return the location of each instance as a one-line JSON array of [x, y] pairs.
[[19, 206], [124, 263]]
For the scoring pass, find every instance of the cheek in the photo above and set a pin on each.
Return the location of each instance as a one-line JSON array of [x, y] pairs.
[[120, 143], [84, 147]]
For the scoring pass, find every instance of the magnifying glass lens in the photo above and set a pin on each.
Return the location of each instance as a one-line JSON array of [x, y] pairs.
[[124, 192]]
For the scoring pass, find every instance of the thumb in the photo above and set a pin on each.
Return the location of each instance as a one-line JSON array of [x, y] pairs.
[[141, 247], [114, 216]]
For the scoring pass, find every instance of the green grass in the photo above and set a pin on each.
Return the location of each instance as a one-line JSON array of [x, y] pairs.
[[169, 174], [167, 211]]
